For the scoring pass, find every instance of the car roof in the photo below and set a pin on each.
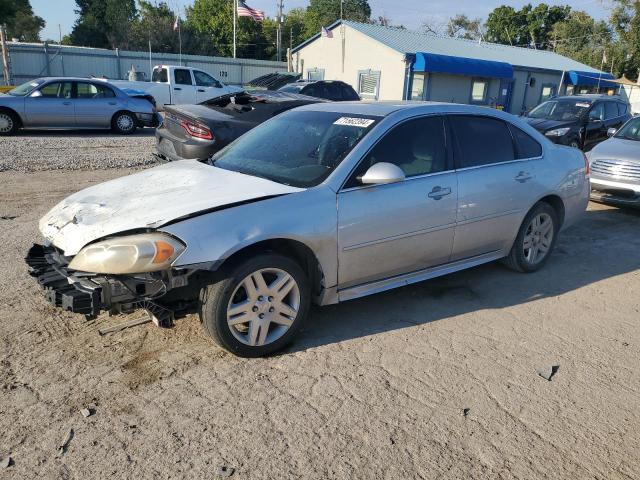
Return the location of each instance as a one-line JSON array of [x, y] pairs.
[[589, 97], [385, 108], [310, 82]]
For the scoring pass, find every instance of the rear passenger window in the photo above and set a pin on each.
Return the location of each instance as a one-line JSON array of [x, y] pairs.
[[526, 147], [481, 141], [416, 146], [183, 77], [610, 110]]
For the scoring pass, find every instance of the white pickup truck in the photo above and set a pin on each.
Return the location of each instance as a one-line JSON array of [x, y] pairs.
[[171, 85]]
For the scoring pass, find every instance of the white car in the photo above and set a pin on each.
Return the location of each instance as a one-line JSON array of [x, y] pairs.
[[172, 85]]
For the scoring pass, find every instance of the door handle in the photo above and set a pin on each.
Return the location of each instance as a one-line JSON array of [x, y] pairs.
[[66, 103], [438, 192], [113, 103], [523, 177], [177, 88], [200, 90]]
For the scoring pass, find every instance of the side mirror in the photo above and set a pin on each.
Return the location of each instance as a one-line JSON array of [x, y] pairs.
[[36, 94], [381, 173], [594, 120], [611, 132]]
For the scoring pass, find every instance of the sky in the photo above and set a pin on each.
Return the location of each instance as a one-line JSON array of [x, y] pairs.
[[410, 13]]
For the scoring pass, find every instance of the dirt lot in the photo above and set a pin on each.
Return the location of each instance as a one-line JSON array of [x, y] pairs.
[[374, 388]]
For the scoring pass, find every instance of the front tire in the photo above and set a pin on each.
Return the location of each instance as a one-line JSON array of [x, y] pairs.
[[535, 241], [9, 123], [258, 307], [123, 123]]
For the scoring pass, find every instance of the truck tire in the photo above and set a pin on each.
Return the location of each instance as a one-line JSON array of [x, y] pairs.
[[257, 307], [123, 123]]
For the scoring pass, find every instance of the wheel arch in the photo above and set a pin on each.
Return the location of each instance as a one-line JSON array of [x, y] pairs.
[[295, 249], [556, 202], [124, 110], [14, 113]]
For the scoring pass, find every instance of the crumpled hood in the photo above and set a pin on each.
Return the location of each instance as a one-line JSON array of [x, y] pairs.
[[617, 149], [149, 199]]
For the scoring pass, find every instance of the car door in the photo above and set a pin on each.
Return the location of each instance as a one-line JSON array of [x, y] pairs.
[[612, 117], [206, 86], [183, 89], [391, 229], [497, 184], [50, 106], [95, 105], [596, 129]]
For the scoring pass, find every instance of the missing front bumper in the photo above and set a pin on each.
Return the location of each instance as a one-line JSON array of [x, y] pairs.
[[88, 295]]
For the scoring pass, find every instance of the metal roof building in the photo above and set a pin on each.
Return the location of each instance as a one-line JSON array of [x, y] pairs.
[[390, 63]]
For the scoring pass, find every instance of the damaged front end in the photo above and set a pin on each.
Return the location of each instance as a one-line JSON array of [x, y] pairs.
[[162, 294]]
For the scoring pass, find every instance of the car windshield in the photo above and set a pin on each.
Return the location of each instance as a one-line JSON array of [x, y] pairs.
[[22, 90], [560, 110], [316, 143], [630, 131], [291, 88]]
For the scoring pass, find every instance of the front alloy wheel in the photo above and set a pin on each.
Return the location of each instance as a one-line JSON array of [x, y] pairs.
[[258, 306]]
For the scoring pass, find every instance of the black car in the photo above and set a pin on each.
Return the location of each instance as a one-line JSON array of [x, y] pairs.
[[580, 121], [199, 131], [334, 90]]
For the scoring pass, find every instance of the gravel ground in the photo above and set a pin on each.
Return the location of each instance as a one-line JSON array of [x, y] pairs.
[[34, 151], [374, 388]]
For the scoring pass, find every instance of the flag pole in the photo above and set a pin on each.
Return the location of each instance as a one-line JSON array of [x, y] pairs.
[[180, 40], [235, 12]]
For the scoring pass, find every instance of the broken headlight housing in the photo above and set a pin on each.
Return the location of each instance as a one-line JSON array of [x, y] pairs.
[[147, 252]]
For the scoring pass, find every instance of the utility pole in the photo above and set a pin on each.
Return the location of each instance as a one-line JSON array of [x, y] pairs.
[[5, 56], [60, 34], [279, 31]]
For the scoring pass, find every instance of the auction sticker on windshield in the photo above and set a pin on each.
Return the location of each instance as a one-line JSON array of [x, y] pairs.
[[585, 105], [354, 122]]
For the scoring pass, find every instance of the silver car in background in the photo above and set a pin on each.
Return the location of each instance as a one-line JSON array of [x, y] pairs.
[[615, 166], [324, 203], [74, 103]]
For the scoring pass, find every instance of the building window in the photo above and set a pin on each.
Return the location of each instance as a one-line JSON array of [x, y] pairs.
[[315, 74], [548, 91], [417, 86], [479, 89], [569, 90], [369, 84]]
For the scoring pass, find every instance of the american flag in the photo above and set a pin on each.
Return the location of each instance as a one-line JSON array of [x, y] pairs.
[[245, 10], [326, 32]]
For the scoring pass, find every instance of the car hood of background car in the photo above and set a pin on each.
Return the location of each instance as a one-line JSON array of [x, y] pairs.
[[617, 149], [148, 200], [544, 124]]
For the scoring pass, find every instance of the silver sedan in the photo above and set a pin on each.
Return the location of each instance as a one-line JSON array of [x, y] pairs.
[[324, 203], [615, 166], [74, 103]]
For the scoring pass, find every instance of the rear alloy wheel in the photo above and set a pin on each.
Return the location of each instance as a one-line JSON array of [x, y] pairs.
[[8, 123], [124, 123], [258, 307], [535, 240]]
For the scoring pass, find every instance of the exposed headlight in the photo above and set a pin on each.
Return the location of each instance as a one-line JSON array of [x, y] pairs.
[[147, 252], [558, 132]]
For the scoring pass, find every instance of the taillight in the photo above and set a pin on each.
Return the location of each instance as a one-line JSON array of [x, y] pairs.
[[587, 169], [196, 130]]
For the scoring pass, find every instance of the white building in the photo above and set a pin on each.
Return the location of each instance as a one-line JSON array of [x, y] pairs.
[[386, 63]]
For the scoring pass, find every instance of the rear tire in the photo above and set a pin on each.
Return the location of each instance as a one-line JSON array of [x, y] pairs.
[[123, 123], [9, 123], [262, 317], [535, 241]]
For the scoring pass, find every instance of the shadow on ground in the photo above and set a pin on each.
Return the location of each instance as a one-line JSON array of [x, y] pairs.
[[583, 256]]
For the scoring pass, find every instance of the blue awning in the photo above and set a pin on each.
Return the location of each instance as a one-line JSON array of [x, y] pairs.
[[471, 67], [589, 79]]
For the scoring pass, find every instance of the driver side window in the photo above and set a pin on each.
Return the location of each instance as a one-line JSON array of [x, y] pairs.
[[597, 112], [205, 80], [56, 90], [417, 146]]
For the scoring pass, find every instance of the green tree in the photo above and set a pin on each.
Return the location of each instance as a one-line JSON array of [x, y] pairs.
[[462, 26], [104, 23], [324, 12], [214, 19], [625, 20], [20, 21], [584, 39], [526, 26]]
